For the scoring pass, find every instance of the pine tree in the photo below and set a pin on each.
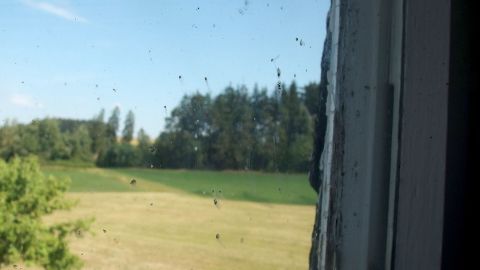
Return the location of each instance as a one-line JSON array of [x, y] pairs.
[[128, 129]]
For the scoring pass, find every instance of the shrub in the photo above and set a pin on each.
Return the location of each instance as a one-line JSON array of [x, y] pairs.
[[26, 196]]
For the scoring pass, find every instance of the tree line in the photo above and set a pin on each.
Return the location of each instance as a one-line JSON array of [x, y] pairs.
[[237, 129]]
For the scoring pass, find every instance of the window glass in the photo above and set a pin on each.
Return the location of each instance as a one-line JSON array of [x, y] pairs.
[[183, 128]]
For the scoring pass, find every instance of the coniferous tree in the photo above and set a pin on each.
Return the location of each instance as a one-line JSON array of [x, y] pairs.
[[113, 125], [128, 129]]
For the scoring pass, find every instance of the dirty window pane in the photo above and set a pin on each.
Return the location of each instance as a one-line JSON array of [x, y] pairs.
[[183, 128]]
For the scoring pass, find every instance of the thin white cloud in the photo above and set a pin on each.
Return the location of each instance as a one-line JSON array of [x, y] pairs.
[[24, 101], [56, 10]]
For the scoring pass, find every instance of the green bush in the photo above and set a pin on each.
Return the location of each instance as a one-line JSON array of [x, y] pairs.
[[26, 196]]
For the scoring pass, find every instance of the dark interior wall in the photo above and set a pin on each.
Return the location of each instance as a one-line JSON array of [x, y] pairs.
[[463, 135]]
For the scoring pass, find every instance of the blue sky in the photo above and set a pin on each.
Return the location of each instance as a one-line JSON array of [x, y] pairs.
[[64, 58]]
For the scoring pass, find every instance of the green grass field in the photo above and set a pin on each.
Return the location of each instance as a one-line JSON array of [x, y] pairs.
[[231, 185], [168, 220]]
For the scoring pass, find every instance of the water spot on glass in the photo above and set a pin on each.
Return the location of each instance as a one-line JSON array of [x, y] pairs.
[[194, 26], [96, 85], [301, 42], [213, 25], [217, 236], [151, 166], [294, 75], [23, 82], [151, 204], [198, 8], [104, 231], [281, 8], [65, 83], [98, 98], [195, 148], [165, 107], [278, 72], [241, 240], [114, 90], [133, 182]]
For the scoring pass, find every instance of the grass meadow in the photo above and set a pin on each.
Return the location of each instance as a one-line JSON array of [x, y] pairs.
[[180, 219]]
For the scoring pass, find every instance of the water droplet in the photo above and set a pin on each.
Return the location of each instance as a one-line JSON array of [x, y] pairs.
[[133, 182], [278, 72], [114, 90], [217, 236], [104, 231]]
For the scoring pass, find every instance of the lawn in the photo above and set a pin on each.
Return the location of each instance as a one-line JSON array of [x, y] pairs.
[[166, 221], [232, 185]]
